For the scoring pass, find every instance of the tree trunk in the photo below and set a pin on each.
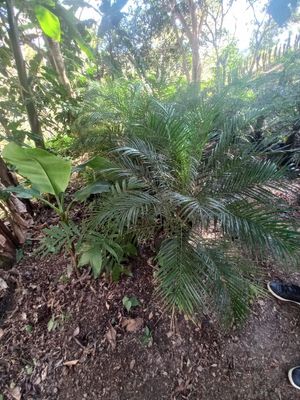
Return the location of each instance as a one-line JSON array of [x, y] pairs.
[[58, 63], [7, 247], [195, 63], [22, 74], [6, 177]]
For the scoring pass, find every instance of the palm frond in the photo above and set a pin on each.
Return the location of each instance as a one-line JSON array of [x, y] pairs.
[[125, 207], [194, 277]]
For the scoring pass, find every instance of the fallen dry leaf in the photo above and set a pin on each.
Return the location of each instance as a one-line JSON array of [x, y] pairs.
[[15, 393], [111, 336], [1, 333], [44, 373], [133, 325], [71, 363], [132, 364], [3, 284], [76, 331]]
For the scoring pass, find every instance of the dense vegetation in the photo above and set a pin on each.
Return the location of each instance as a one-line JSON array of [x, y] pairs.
[[164, 131]]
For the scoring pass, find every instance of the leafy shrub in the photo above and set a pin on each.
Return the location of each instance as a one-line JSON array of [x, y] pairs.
[[206, 198], [49, 174]]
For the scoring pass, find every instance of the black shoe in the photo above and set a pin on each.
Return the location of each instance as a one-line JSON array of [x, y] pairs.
[[285, 292], [294, 377]]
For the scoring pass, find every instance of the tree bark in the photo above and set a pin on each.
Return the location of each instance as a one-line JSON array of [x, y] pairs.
[[9, 179], [192, 29], [22, 74], [58, 63], [6, 177]]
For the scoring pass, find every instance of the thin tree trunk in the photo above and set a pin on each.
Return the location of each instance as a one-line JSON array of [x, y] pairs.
[[22, 74], [9, 179], [6, 177], [7, 247], [58, 63], [195, 63]]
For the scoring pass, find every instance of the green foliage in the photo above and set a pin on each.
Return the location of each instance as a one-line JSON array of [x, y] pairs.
[[129, 302], [186, 184], [108, 112], [103, 254], [28, 328], [47, 172], [197, 177], [61, 144], [49, 22], [52, 324], [93, 188], [146, 338], [58, 238]]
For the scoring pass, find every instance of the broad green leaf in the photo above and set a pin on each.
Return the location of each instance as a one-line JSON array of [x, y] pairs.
[[52, 324], [96, 163], [49, 22], [28, 328], [22, 192], [90, 255], [129, 302], [146, 338], [46, 172], [93, 188], [116, 273]]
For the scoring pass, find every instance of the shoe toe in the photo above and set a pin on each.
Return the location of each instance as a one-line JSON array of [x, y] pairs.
[[275, 286], [294, 376]]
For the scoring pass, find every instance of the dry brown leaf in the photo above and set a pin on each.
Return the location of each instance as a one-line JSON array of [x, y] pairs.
[[132, 364], [111, 336], [71, 363], [15, 393], [133, 325], [76, 331], [1, 333], [44, 373], [3, 284], [2, 241]]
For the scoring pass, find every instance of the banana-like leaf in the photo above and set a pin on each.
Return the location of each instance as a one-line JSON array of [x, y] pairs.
[[23, 192], [97, 163], [49, 22], [93, 188], [46, 172]]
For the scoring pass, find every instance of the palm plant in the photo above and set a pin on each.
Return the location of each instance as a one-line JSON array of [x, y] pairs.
[[108, 111], [205, 197]]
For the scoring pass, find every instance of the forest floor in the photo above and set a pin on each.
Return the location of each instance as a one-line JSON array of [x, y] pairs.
[[63, 338]]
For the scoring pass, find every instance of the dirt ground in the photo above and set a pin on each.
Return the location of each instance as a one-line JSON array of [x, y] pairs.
[[87, 352]]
